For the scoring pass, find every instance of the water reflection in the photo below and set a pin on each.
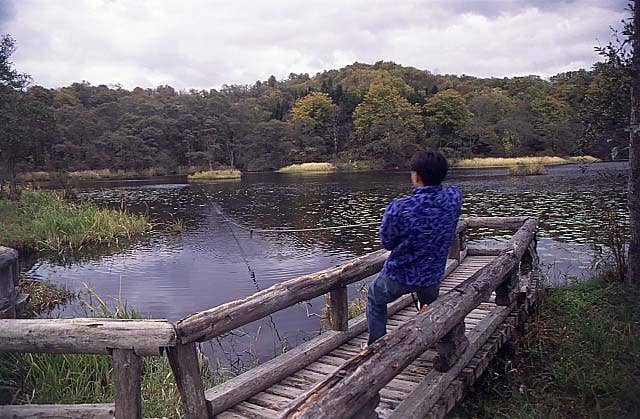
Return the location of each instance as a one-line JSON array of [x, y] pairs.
[[214, 261]]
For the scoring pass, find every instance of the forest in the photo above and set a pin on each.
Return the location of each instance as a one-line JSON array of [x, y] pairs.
[[363, 115]]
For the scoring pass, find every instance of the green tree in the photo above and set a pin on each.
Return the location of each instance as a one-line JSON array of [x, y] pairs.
[[313, 119], [388, 127]]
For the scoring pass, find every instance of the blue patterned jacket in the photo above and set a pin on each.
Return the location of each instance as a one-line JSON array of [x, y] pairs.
[[419, 230]]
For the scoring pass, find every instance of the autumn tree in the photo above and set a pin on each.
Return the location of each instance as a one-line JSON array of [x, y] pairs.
[[313, 119], [447, 113], [388, 127]]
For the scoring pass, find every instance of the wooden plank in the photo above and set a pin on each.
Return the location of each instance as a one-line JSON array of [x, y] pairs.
[[58, 411], [270, 401], [254, 411], [361, 378], [127, 371], [85, 335], [8, 282], [210, 323], [429, 391], [186, 371], [511, 223], [227, 394]]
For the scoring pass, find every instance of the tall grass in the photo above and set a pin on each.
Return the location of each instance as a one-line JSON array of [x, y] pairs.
[[216, 174], [512, 161], [72, 379], [581, 358], [527, 169], [308, 167], [45, 221]]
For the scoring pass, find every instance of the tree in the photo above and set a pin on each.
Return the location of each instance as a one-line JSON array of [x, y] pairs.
[[313, 119], [633, 33], [388, 127], [447, 113], [15, 144]]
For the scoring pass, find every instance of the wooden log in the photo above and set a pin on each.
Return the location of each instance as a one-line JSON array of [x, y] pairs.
[[210, 323], [8, 282], [450, 348], [186, 371], [369, 410], [363, 376], [85, 335], [510, 223], [225, 395], [507, 292], [454, 250], [474, 250], [427, 393], [127, 371], [339, 309], [58, 411]]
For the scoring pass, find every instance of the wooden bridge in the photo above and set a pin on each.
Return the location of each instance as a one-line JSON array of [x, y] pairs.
[[419, 369]]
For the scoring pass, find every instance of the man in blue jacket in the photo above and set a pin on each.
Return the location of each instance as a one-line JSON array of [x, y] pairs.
[[418, 230]]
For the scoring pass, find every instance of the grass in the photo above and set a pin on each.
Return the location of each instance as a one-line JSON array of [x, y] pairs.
[[527, 169], [308, 168], [44, 221], [581, 358], [95, 174], [480, 162], [216, 174], [44, 296], [70, 379]]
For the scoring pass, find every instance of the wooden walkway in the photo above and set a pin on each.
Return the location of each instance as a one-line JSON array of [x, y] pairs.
[[419, 369], [418, 381]]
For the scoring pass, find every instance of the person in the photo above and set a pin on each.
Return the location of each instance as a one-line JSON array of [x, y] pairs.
[[418, 230]]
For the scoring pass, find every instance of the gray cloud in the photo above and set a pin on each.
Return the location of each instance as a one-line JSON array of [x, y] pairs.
[[203, 44]]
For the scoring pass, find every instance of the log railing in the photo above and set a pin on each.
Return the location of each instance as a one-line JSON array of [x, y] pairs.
[[128, 340]]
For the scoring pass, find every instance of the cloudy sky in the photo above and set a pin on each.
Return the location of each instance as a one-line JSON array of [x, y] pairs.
[[207, 43]]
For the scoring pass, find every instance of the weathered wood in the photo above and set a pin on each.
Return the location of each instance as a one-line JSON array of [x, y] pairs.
[[183, 359], [454, 250], [339, 309], [8, 282], [450, 348], [427, 393], [58, 411], [127, 371], [369, 410], [225, 395], [510, 223], [362, 377], [210, 323], [506, 293], [474, 250], [85, 335]]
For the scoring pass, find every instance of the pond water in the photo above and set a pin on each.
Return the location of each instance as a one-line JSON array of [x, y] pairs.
[[215, 261]]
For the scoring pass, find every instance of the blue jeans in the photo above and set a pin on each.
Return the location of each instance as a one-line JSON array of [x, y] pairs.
[[384, 290]]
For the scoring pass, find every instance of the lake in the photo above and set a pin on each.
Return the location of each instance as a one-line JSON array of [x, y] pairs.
[[214, 260]]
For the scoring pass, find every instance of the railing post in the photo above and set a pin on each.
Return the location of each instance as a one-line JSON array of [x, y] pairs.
[[338, 308], [454, 250], [506, 293], [8, 282], [127, 369], [186, 371], [368, 411], [450, 348]]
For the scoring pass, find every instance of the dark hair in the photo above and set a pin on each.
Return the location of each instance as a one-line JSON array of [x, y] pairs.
[[431, 166]]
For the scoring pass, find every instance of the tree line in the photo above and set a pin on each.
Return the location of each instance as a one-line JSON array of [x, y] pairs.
[[379, 114]]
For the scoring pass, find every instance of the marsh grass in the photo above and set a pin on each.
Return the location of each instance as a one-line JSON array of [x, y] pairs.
[[44, 221], [70, 379], [581, 358], [527, 169], [216, 174], [308, 168], [480, 162], [44, 296], [42, 176]]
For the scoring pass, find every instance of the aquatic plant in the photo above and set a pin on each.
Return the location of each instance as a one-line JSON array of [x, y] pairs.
[[45, 221], [216, 174], [308, 167], [527, 169], [512, 161]]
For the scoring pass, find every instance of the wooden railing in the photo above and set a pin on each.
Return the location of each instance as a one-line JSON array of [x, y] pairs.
[[128, 340]]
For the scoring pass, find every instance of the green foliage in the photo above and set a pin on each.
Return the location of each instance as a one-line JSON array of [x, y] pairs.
[[45, 221], [447, 110], [580, 359]]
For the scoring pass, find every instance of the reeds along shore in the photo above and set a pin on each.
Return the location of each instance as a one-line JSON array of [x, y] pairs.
[[308, 167], [513, 161], [44, 221], [216, 174]]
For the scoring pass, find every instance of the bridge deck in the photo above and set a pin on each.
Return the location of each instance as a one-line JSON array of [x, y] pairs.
[[417, 383]]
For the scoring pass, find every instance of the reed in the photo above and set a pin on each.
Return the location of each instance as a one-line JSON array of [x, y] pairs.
[[308, 168], [527, 169], [44, 221], [480, 162], [216, 174]]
